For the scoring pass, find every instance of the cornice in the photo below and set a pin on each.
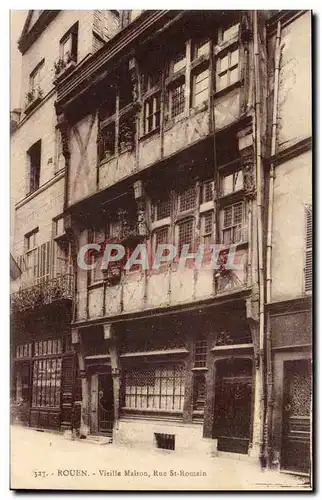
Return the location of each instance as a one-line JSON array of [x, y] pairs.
[[28, 38]]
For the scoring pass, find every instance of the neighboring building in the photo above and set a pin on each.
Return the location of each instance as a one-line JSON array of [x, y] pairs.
[[167, 138], [43, 364], [289, 264]]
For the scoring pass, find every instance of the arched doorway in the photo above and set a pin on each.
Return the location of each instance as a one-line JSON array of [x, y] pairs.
[[233, 404]]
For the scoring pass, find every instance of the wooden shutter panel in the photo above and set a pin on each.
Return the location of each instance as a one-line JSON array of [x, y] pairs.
[[308, 252]]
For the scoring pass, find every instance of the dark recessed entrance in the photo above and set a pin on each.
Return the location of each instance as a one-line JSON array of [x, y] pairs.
[[233, 401], [105, 404]]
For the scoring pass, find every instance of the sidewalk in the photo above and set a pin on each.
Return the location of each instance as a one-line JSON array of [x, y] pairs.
[[44, 460]]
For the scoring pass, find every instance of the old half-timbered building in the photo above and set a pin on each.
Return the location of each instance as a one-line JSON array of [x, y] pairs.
[[165, 134], [43, 364]]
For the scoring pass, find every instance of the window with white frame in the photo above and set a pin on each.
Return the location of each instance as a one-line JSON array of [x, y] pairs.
[[207, 227], [232, 182], [155, 388], [227, 68], [152, 113], [308, 249], [232, 223], [200, 86]]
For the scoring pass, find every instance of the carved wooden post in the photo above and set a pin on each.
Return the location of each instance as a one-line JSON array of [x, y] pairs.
[[116, 372]]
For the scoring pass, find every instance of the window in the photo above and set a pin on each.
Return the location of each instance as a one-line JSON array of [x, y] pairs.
[[155, 388], [161, 209], [152, 79], [201, 48], [232, 182], [23, 350], [308, 251], [126, 134], [161, 237], [31, 240], [206, 227], [45, 347], [34, 159], [185, 234], [68, 45], [179, 61], [208, 191], [107, 142], [46, 382], [35, 79], [177, 99], [230, 32], [201, 347], [200, 87], [227, 69], [232, 223], [152, 113], [187, 199], [31, 247]]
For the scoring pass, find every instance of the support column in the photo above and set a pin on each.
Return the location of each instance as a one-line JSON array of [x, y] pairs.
[[109, 334], [84, 417]]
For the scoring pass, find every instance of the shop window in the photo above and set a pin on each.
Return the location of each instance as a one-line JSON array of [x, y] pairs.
[[152, 113], [207, 227], [208, 191], [155, 388], [34, 159], [200, 87], [232, 182], [177, 99], [232, 223], [308, 251], [46, 383], [187, 199], [227, 69], [185, 234], [161, 209]]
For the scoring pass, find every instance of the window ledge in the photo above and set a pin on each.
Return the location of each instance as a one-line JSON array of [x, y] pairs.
[[236, 196], [232, 347], [227, 45], [175, 76], [42, 188], [160, 223], [153, 132], [107, 160], [230, 88]]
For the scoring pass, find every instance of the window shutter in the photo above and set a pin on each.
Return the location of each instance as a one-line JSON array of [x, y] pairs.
[[308, 251]]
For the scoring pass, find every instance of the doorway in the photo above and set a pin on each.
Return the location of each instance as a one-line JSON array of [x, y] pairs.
[[233, 402], [105, 404], [296, 415]]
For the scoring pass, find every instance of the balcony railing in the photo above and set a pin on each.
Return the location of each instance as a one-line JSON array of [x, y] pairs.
[[41, 294]]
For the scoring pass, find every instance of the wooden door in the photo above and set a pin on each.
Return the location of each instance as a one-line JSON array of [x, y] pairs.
[[296, 415], [233, 401]]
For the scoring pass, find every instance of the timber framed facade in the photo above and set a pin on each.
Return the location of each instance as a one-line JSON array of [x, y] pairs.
[[167, 134]]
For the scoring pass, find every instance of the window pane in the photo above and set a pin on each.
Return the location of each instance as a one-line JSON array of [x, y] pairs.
[[161, 236], [230, 32], [222, 81], [238, 213], [227, 184], [228, 216], [185, 234], [223, 64], [234, 76], [187, 199], [179, 61], [201, 48], [208, 191], [177, 100], [234, 58]]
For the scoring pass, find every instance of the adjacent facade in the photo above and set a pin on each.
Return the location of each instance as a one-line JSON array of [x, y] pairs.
[[177, 131]]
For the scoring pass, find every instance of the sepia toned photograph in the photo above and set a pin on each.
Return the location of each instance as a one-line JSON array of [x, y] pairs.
[[161, 250]]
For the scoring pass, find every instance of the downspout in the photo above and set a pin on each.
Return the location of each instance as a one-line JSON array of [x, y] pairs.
[[259, 235], [269, 374]]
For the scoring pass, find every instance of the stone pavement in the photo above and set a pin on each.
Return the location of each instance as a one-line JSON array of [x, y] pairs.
[[44, 460]]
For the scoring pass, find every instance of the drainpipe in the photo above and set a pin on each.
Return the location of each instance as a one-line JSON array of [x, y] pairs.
[[259, 234], [269, 374]]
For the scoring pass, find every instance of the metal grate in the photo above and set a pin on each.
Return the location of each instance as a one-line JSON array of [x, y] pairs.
[[177, 100], [165, 441]]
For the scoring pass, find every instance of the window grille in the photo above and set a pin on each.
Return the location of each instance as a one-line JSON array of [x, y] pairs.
[[185, 234], [308, 253], [165, 441], [232, 223], [177, 100], [208, 191], [162, 209], [227, 69], [46, 383], [187, 199], [201, 347], [155, 388], [200, 87]]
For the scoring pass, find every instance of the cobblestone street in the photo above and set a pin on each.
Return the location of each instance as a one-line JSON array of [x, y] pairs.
[[43, 460]]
